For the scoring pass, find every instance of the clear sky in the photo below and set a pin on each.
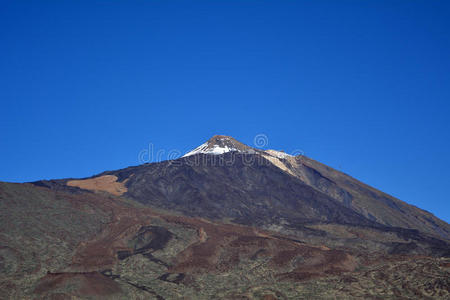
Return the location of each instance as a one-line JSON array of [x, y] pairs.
[[363, 86]]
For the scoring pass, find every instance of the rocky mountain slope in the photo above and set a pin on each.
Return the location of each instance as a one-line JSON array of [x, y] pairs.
[[226, 221], [256, 187]]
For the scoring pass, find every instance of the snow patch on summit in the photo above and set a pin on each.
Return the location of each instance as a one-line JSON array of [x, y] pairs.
[[207, 149], [220, 144]]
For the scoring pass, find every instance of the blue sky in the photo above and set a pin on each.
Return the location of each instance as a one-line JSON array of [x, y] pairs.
[[363, 86]]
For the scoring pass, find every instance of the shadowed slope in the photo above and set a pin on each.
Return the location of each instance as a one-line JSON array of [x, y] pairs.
[[243, 187]]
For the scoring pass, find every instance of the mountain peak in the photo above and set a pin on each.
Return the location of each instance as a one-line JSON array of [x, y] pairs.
[[220, 137], [219, 144], [223, 139]]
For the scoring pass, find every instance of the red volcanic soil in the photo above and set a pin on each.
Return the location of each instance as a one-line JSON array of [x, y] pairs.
[[219, 247], [87, 284], [222, 246]]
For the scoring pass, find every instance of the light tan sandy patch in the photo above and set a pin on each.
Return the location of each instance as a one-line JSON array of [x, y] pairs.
[[278, 163], [106, 183]]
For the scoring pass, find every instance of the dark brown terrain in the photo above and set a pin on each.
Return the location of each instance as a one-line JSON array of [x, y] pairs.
[[246, 224]]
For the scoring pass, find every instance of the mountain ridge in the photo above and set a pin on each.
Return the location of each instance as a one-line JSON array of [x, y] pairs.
[[363, 199]]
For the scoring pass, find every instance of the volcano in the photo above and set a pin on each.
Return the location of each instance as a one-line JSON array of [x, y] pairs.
[[225, 221]]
